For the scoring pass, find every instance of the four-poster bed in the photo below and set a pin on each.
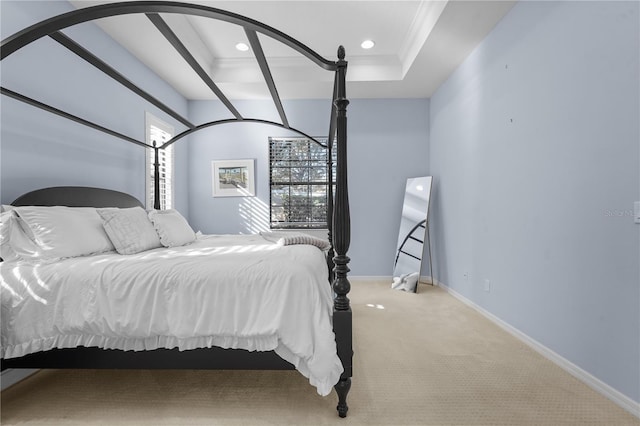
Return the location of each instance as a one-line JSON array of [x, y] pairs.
[[338, 205]]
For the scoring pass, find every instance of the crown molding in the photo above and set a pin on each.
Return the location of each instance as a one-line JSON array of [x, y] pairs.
[[423, 23]]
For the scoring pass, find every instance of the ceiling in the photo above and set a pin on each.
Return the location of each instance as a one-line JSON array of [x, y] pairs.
[[418, 43]]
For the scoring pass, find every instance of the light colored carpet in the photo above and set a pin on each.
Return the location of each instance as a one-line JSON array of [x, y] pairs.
[[420, 359]]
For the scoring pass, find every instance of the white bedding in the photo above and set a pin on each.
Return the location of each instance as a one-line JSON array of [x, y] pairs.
[[237, 291]]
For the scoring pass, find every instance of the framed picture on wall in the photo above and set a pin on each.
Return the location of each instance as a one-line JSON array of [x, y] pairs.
[[233, 178]]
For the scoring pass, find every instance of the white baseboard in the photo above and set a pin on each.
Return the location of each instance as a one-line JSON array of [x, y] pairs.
[[370, 278], [594, 383], [424, 279], [11, 376]]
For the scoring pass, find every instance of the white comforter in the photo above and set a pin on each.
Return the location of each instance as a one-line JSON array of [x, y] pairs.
[[229, 291]]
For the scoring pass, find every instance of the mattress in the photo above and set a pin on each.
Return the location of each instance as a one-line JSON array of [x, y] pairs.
[[231, 291]]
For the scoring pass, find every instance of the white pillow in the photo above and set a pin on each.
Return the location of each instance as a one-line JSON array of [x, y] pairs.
[[61, 232], [172, 227], [129, 229], [15, 244], [7, 222]]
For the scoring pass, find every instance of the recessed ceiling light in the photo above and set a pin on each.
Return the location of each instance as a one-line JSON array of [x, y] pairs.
[[367, 44], [243, 47]]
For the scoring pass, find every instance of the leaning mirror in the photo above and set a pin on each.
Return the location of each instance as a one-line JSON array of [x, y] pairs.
[[414, 230]]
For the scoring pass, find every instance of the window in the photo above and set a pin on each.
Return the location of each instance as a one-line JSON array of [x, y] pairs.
[[298, 183], [159, 132]]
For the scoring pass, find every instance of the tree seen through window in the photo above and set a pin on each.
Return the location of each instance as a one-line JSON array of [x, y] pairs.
[[298, 182]]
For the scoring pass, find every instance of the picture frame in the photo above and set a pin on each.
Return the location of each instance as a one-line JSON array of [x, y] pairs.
[[233, 178]]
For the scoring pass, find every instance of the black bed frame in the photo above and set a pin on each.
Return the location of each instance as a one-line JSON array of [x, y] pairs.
[[338, 203]]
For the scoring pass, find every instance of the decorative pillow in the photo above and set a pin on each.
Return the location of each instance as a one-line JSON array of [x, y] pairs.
[[61, 232], [287, 238], [129, 229], [172, 227]]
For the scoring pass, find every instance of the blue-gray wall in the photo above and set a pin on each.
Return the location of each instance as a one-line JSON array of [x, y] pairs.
[[535, 153], [388, 143], [40, 149]]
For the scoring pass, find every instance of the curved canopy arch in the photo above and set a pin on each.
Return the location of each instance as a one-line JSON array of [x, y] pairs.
[[60, 22], [179, 136], [51, 27]]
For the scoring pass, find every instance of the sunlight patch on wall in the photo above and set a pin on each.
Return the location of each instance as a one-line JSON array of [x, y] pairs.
[[254, 214]]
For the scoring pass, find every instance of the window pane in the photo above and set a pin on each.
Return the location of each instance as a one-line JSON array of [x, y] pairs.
[[318, 174], [299, 174], [278, 214], [279, 174], [319, 203], [278, 194]]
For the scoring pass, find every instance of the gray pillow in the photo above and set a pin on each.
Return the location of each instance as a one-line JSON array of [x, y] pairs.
[[172, 228], [130, 230]]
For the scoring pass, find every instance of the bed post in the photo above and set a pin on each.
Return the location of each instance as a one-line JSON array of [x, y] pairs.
[[156, 177], [341, 240], [331, 252], [330, 139]]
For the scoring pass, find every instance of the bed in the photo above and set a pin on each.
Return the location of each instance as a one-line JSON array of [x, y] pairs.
[[331, 306]]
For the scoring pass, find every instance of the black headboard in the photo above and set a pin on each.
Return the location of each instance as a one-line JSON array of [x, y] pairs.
[[77, 196]]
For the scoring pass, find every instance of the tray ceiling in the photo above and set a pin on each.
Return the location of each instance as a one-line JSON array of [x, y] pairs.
[[417, 45]]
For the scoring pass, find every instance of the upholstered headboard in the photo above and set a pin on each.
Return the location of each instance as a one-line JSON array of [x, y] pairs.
[[77, 196]]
